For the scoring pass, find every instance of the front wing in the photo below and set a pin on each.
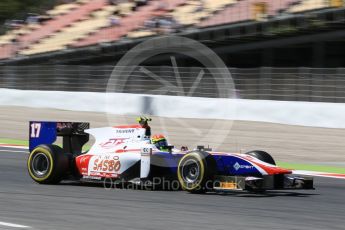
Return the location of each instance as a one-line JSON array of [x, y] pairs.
[[269, 182]]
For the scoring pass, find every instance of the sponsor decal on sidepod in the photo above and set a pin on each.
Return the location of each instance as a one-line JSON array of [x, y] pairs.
[[237, 166]]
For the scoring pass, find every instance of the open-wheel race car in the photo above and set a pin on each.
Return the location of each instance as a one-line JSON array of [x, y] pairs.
[[128, 154]]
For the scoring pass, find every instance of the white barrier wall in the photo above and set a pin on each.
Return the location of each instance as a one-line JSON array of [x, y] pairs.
[[329, 115]]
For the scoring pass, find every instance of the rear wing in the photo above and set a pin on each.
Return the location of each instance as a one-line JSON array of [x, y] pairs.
[[46, 132]]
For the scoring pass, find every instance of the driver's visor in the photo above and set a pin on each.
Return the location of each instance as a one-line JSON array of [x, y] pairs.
[[162, 143]]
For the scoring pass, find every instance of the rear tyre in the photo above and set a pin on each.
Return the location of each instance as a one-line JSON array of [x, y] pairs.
[[196, 171], [48, 164], [263, 156]]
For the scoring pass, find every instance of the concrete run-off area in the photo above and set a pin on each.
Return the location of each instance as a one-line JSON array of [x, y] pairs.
[[285, 142]]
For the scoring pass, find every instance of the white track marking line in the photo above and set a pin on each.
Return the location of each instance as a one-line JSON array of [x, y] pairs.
[[13, 146], [13, 151], [13, 225], [319, 174]]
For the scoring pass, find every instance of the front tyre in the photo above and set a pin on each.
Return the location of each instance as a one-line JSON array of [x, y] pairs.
[[48, 164], [196, 171]]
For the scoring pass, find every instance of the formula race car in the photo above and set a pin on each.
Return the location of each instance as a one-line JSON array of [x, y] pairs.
[[126, 153]]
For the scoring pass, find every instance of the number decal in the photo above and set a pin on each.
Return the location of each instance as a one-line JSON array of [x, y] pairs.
[[146, 151], [35, 130]]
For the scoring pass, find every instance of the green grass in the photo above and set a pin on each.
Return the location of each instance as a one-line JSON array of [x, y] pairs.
[[297, 166], [26, 143], [311, 167], [13, 142]]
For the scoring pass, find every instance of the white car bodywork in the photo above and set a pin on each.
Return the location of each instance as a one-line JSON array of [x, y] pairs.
[[115, 150]]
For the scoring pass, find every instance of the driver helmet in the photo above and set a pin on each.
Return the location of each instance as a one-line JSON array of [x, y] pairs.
[[159, 141]]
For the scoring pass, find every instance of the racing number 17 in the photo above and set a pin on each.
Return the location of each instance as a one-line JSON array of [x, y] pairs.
[[35, 130]]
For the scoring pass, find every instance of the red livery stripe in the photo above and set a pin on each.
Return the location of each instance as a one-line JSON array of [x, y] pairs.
[[126, 150]]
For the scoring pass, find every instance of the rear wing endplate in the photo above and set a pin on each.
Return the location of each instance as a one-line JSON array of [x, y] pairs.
[[46, 132]]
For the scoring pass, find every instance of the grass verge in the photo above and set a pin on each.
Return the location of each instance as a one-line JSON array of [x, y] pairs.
[[13, 142], [26, 143], [312, 167]]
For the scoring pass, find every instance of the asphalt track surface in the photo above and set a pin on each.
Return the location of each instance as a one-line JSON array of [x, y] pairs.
[[76, 206]]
